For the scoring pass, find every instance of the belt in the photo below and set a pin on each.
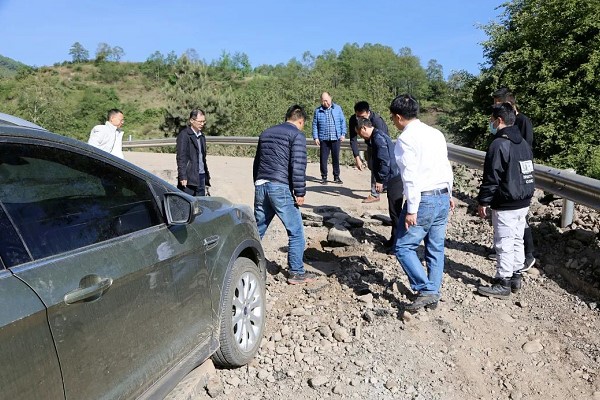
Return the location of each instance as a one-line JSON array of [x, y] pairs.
[[434, 192]]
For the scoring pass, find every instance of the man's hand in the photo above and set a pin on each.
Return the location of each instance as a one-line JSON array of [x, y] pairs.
[[359, 163], [317, 142], [452, 204], [183, 182], [299, 200], [378, 187], [482, 211], [410, 220], [342, 138]]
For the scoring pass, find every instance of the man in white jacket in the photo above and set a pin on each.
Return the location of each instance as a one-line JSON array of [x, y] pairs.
[[109, 137]]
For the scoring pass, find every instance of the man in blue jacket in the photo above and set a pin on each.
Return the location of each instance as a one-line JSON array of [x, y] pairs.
[[328, 131], [279, 175], [507, 188], [384, 169]]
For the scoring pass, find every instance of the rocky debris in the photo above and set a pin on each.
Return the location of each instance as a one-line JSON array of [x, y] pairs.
[[346, 335]]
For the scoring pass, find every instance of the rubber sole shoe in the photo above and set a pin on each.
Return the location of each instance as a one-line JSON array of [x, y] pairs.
[[298, 279], [423, 301], [500, 289], [338, 181], [529, 262], [516, 281], [323, 181], [371, 199], [492, 256]]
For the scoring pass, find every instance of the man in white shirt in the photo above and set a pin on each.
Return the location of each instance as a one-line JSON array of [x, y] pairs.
[[109, 137], [422, 156]]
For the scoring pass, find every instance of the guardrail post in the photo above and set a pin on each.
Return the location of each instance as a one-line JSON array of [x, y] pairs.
[[568, 208]]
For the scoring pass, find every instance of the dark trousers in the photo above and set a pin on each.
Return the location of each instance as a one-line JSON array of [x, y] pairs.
[[199, 190], [395, 199], [528, 241], [333, 147]]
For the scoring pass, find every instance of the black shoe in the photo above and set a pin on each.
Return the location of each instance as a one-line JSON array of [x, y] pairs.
[[423, 301], [529, 262], [500, 288], [296, 279], [323, 181], [516, 281], [337, 180], [492, 256]]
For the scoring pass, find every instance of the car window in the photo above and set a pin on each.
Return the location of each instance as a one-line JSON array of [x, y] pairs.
[[12, 251], [59, 200]]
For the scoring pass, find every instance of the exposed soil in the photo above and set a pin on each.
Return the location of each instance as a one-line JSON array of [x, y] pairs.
[[346, 335]]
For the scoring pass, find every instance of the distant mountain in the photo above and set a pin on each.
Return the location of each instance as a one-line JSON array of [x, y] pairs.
[[9, 67]]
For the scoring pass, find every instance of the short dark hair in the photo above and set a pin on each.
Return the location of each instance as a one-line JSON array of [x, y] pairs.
[[504, 95], [405, 105], [363, 123], [295, 112], [112, 112], [195, 112], [504, 111], [361, 106]]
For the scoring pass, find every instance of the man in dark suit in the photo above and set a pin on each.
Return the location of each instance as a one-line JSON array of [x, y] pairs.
[[192, 171]]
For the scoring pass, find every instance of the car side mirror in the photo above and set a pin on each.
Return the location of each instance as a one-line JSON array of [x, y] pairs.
[[180, 208]]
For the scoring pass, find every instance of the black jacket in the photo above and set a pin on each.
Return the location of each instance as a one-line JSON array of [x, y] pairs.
[[281, 157], [384, 161], [376, 120], [508, 181], [187, 157], [526, 128]]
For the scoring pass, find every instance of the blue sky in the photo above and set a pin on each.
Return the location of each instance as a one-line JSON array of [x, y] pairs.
[[39, 33]]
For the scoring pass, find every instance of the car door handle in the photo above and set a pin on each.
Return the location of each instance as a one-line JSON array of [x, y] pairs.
[[91, 292], [211, 242]]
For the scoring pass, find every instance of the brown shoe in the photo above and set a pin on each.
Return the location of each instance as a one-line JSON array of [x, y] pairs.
[[370, 199]]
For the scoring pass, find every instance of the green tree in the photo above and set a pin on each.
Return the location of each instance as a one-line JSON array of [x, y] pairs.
[[437, 86], [103, 52], [548, 53], [116, 53], [190, 88], [78, 53]]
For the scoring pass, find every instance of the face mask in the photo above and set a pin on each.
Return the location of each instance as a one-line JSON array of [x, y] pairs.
[[492, 129]]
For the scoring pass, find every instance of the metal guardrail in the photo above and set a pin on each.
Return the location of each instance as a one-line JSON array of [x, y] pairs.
[[569, 185]]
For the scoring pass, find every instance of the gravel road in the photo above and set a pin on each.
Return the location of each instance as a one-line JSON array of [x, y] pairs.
[[346, 335]]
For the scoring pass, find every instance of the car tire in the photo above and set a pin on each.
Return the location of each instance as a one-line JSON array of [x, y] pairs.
[[242, 316]]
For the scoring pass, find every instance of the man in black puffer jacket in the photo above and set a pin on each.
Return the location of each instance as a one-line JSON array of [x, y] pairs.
[[280, 185], [507, 188]]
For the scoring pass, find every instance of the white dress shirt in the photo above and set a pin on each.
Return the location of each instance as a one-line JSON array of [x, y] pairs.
[[422, 155], [107, 137]]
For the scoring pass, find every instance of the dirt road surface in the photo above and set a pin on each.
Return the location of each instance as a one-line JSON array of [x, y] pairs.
[[346, 335]]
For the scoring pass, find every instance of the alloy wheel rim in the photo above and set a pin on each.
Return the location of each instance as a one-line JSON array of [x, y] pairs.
[[247, 311]]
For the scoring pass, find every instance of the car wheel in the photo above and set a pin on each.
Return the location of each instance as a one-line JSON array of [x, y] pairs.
[[242, 315]]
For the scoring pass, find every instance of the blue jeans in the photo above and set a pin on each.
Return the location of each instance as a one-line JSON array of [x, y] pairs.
[[432, 218], [272, 199]]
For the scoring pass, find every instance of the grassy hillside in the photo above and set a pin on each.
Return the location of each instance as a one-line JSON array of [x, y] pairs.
[[71, 98], [9, 67]]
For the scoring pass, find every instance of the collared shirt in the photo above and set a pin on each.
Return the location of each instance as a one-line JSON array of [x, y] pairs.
[[422, 155], [200, 159], [107, 137], [330, 132]]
